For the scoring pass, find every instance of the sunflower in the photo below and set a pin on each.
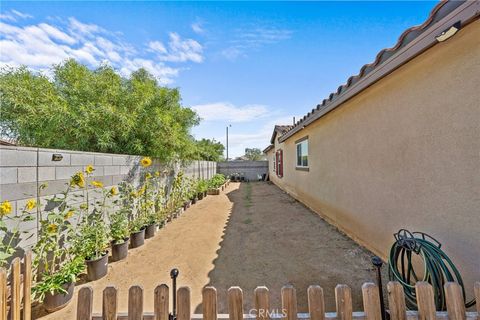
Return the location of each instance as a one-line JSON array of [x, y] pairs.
[[31, 204], [113, 191], [69, 214], [148, 175], [97, 184], [78, 179], [5, 208], [157, 173], [89, 169], [146, 162], [52, 228]]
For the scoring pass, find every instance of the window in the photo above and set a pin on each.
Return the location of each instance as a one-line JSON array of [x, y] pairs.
[[302, 153], [274, 163]]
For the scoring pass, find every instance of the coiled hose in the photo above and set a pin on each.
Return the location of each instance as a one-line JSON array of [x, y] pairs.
[[438, 269]]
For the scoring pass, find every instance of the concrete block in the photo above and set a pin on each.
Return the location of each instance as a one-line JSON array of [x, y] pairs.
[[27, 174], [18, 158], [45, 158], [111, 170], [125, 169], [99, 171], [8, 175], [16, 191], [103, 160], [46, 173], [67, 172], [119, 160], [119, 178], [77, 159]]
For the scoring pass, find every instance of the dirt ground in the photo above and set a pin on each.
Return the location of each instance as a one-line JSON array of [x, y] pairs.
[[252, 235]]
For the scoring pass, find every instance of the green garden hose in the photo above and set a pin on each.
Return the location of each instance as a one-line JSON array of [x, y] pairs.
[[437, 267]]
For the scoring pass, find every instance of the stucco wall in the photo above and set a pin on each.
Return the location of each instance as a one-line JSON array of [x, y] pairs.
[[402, 154], [23, 170]]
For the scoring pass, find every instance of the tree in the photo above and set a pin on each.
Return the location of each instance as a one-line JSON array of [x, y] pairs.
[[209, 150], [95, 110], [253, 154]]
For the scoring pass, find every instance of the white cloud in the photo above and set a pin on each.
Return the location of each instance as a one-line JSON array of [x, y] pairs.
[[224, 111], [14, 15], [38, 46], [247, 39], [179, 50], [197, 28]]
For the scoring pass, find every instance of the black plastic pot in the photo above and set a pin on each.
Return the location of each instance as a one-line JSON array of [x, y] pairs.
[[97, 269], [200, 195], [137, 239], [150, 231], [59, 300], [119, 250], [194, 200], [204, 194]]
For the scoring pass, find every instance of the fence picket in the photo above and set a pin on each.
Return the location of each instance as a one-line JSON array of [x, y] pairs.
[[477, 297], [235, 303], [16, 283], [135, 303], [27, 286], [371, 301], [209, 303], [396, 301], [289, 302], [160, 303], [85, 304], [109, 304], [343, 299], [3, 294], [426, 304], [455, 303], [316, 303], [183, 298], [262, 303]]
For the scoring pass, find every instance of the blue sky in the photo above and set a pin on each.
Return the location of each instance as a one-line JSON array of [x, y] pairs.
[[248, 64]]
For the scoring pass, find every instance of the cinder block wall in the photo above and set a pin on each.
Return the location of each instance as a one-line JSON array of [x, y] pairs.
[[249, 169], [23, 170]]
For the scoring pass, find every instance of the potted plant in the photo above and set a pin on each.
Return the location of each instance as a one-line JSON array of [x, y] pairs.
[[119, 233], [57, 263], [92, 241]]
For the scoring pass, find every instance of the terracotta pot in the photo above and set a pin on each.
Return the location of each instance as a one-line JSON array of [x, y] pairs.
[[59, 300], [137, 239], [98, 268], [150, 231], [119, 250]]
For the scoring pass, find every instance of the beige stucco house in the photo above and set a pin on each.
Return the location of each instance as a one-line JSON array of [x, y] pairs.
[[398, 146]]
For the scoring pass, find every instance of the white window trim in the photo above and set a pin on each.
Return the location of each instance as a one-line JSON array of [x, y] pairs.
[[296, 154]]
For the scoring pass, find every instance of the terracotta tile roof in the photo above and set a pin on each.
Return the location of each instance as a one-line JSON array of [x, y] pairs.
[[445, 13], [281, 129]]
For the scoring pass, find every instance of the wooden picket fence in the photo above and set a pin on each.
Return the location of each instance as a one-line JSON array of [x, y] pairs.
[[16, 289], [316, 307]]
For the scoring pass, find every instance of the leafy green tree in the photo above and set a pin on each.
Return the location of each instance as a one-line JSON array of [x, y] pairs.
[[210, 150], [253, 154], [95, 110]]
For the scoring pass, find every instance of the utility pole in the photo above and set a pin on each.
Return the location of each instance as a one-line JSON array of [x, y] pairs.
[[227, 140]]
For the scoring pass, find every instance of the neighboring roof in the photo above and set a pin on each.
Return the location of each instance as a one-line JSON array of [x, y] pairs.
[[270, 147], [279, 129], [411, 43]]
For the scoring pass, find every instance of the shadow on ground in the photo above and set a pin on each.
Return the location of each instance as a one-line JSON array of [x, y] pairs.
[[272, 240]]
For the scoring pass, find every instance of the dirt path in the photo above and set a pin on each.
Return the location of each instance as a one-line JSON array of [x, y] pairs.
[[252, 235]]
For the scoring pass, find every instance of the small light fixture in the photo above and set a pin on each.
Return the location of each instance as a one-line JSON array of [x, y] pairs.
[[450, 32], [57, 157]]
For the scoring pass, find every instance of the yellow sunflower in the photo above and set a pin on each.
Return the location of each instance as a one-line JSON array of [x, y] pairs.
[[52, 228], [31, 204], [157, 173], [113, 191], [69, 214], [5, 208], [89, 169], [78, 179], [148, 175], [146, 162], [97, 184]]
